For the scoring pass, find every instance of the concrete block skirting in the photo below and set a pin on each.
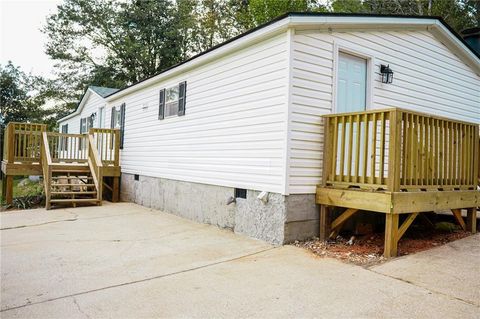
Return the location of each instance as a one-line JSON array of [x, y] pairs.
[[282, 219]]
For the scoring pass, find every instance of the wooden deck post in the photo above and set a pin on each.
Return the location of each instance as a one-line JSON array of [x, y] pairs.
[[9, 189], [472, 220], [394, 158], [391, 235], [324, 222], [116, 189]]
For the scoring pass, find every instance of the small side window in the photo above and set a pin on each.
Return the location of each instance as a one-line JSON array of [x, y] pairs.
[[172, 101]]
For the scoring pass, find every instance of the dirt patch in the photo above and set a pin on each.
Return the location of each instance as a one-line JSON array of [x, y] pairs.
[[367, 250]]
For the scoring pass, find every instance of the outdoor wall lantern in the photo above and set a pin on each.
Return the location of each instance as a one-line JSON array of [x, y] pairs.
[[387, 74]]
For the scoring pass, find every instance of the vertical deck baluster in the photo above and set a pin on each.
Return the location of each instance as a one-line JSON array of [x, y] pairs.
[[365, 149], [333, 156], [454, 163], [350, 148], [373, 156], [441, 152], [469, 155], [357, 151], [342, 151], [412, 150], [421, 151], [450, 151], [382, 148], [461, 153]]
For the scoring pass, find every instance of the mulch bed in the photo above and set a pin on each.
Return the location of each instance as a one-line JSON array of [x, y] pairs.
[[367, 250]]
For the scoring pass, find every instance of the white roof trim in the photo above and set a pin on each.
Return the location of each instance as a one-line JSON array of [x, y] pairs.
[[81, 105], [329, 22]]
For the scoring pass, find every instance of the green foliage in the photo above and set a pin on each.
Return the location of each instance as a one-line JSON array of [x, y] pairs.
[[257, 12], [116, 43], [21, 96], [460, 14]]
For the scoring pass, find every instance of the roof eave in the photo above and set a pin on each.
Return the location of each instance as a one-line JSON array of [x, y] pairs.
[[80, 106], [295, 20]]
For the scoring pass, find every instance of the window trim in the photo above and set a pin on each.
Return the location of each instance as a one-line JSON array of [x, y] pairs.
[[101, 117], [180, 100], [165, 116]]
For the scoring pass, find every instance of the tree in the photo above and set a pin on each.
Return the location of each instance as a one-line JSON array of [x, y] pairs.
[[251, 13], [459, 14], [20, 100]]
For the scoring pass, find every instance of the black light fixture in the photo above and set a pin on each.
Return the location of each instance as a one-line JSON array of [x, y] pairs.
[[387, 74]]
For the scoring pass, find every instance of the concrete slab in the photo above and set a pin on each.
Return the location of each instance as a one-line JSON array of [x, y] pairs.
[[452, 269], [103, 246], [124, 260]]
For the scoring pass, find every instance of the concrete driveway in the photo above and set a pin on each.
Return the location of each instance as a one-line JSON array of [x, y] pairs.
[[126, 261]]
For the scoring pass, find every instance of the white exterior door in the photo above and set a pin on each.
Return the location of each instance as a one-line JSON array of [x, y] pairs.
[[351, 84]]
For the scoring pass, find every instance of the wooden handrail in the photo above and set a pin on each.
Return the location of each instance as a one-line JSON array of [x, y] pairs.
[[96, 166], [107, 142], [46, 162], [395, 149]]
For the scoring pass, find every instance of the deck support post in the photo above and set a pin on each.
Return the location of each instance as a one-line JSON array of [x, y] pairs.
[[116, 189], [9, 189], [472, 220], [324, 222], [391, 235]]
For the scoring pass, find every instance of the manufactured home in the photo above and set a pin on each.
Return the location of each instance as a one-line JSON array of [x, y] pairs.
[[311, 108]]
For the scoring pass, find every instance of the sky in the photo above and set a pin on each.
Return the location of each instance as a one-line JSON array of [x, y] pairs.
[[20, 38]]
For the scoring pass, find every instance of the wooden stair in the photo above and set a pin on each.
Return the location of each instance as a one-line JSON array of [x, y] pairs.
[[72, 184]]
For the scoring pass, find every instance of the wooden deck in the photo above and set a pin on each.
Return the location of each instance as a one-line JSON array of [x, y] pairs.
[[75, 167], [396, 162]]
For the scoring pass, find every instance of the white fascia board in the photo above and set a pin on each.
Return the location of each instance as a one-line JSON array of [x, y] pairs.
[[331, 22], [358, 21], [263, 33], [458, 46], [79, 108]]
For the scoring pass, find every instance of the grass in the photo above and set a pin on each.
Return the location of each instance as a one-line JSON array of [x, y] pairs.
[[27, 188]]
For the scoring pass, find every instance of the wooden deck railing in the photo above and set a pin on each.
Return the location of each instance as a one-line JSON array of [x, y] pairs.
[[108, 144], [22, 142], [395, 149], [96, 166], [68, 147]]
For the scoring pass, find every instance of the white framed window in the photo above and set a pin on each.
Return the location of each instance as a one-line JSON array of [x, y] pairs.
[[64, 143], [117, 121], [83, 125], [116, 118], [171, 101], [101, 117], [91, 120]]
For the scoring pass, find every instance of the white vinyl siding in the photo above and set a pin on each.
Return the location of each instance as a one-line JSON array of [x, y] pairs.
[[92, 105], [428, 78], [233, 132]]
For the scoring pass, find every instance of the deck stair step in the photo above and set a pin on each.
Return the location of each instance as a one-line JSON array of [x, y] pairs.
[[74, 192], [72, 183], [75, 200]]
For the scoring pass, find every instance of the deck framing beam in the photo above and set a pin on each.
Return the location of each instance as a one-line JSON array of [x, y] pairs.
[[392, 204]]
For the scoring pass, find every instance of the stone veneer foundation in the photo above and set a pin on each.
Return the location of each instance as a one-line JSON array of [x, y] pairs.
[[282, 219]]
